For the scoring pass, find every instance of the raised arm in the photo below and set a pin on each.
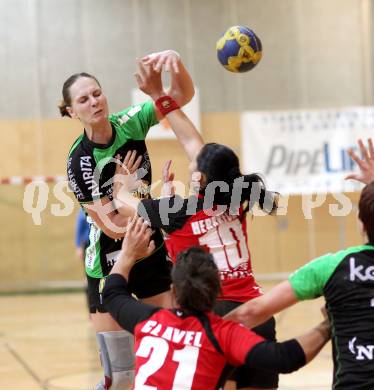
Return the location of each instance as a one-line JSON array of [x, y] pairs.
[[186, 133], [149, 81], [125, 309]]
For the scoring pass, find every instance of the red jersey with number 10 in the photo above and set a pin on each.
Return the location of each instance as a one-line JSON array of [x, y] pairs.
[[225, 237], [178, 349]]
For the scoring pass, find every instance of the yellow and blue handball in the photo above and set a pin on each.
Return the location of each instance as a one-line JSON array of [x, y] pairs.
[[239, 49]]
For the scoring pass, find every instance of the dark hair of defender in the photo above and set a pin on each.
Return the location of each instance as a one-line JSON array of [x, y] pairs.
[[196, 280], [220, 163]]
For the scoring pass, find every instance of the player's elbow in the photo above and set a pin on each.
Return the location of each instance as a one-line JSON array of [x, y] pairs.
[[282, 358], [291, 356]]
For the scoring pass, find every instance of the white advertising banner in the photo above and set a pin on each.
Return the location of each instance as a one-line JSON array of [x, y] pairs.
[[304, 152], [163, 130]]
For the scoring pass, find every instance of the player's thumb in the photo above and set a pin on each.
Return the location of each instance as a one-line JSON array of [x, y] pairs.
[[351, 176], [151, 247], [138, 79]]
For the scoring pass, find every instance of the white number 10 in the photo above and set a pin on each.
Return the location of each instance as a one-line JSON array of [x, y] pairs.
[[156, 349], [227, 244]]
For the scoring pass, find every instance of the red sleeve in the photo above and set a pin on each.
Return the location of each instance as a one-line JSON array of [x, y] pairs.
[[236, 341]]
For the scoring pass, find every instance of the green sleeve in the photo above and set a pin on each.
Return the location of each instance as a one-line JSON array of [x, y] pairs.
[[308, 281], [136, 120]]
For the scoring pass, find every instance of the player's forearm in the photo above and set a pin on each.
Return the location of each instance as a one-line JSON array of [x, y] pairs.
[[186, 132], [106, 219], [125, 203], [255, 311], [290, 355], [116, 227], [250, 314], [181, 86], [258, 310], [314, 340]]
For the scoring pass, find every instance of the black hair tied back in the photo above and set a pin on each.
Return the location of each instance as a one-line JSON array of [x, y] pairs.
[[233, 174], [220, 165], [255, 191], [196, 280]]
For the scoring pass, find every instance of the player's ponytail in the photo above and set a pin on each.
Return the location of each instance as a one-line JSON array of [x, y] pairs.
[[256, 192], [220, 165], [63, 109], [196, 280]]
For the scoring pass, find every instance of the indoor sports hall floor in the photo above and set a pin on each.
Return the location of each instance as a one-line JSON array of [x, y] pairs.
[[46, 342]]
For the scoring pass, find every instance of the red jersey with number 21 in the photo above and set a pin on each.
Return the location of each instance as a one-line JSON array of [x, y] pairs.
[[173, 352], [225, 237]]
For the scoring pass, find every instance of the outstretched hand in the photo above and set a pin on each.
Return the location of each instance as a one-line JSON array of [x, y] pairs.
[[167, 60], [168, 188], [365, 164], [125, 178], [149, 80], [136, 245]]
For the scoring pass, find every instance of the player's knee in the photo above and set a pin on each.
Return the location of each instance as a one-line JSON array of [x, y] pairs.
[[117, 359]]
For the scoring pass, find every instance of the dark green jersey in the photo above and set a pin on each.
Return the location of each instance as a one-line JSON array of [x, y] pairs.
[[91, 168], [346, 280]]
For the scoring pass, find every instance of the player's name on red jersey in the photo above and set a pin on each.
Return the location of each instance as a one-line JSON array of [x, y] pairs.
[[172, 334], [204, 225], [240, 272]]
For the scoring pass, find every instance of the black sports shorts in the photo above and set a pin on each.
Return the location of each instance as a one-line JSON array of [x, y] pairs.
[[244, 375], [147, 278]]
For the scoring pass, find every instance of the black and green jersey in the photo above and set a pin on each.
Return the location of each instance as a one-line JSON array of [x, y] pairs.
[[346, 280], [91, 168]]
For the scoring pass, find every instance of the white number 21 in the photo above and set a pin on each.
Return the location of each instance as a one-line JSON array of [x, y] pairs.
[[156, 349]]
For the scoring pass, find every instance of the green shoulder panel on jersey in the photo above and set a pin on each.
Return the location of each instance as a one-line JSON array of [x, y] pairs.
[[75, 144], [309, 281], [130, 124], [135, 121]]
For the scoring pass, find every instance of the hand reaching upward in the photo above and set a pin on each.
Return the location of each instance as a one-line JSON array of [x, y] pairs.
[[365, 164]]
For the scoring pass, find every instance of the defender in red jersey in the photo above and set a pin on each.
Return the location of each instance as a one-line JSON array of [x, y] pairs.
[[223, 235], [189, 347], [213, 220]]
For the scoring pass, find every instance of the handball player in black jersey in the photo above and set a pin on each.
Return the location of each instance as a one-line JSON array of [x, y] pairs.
[[91, 166]]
